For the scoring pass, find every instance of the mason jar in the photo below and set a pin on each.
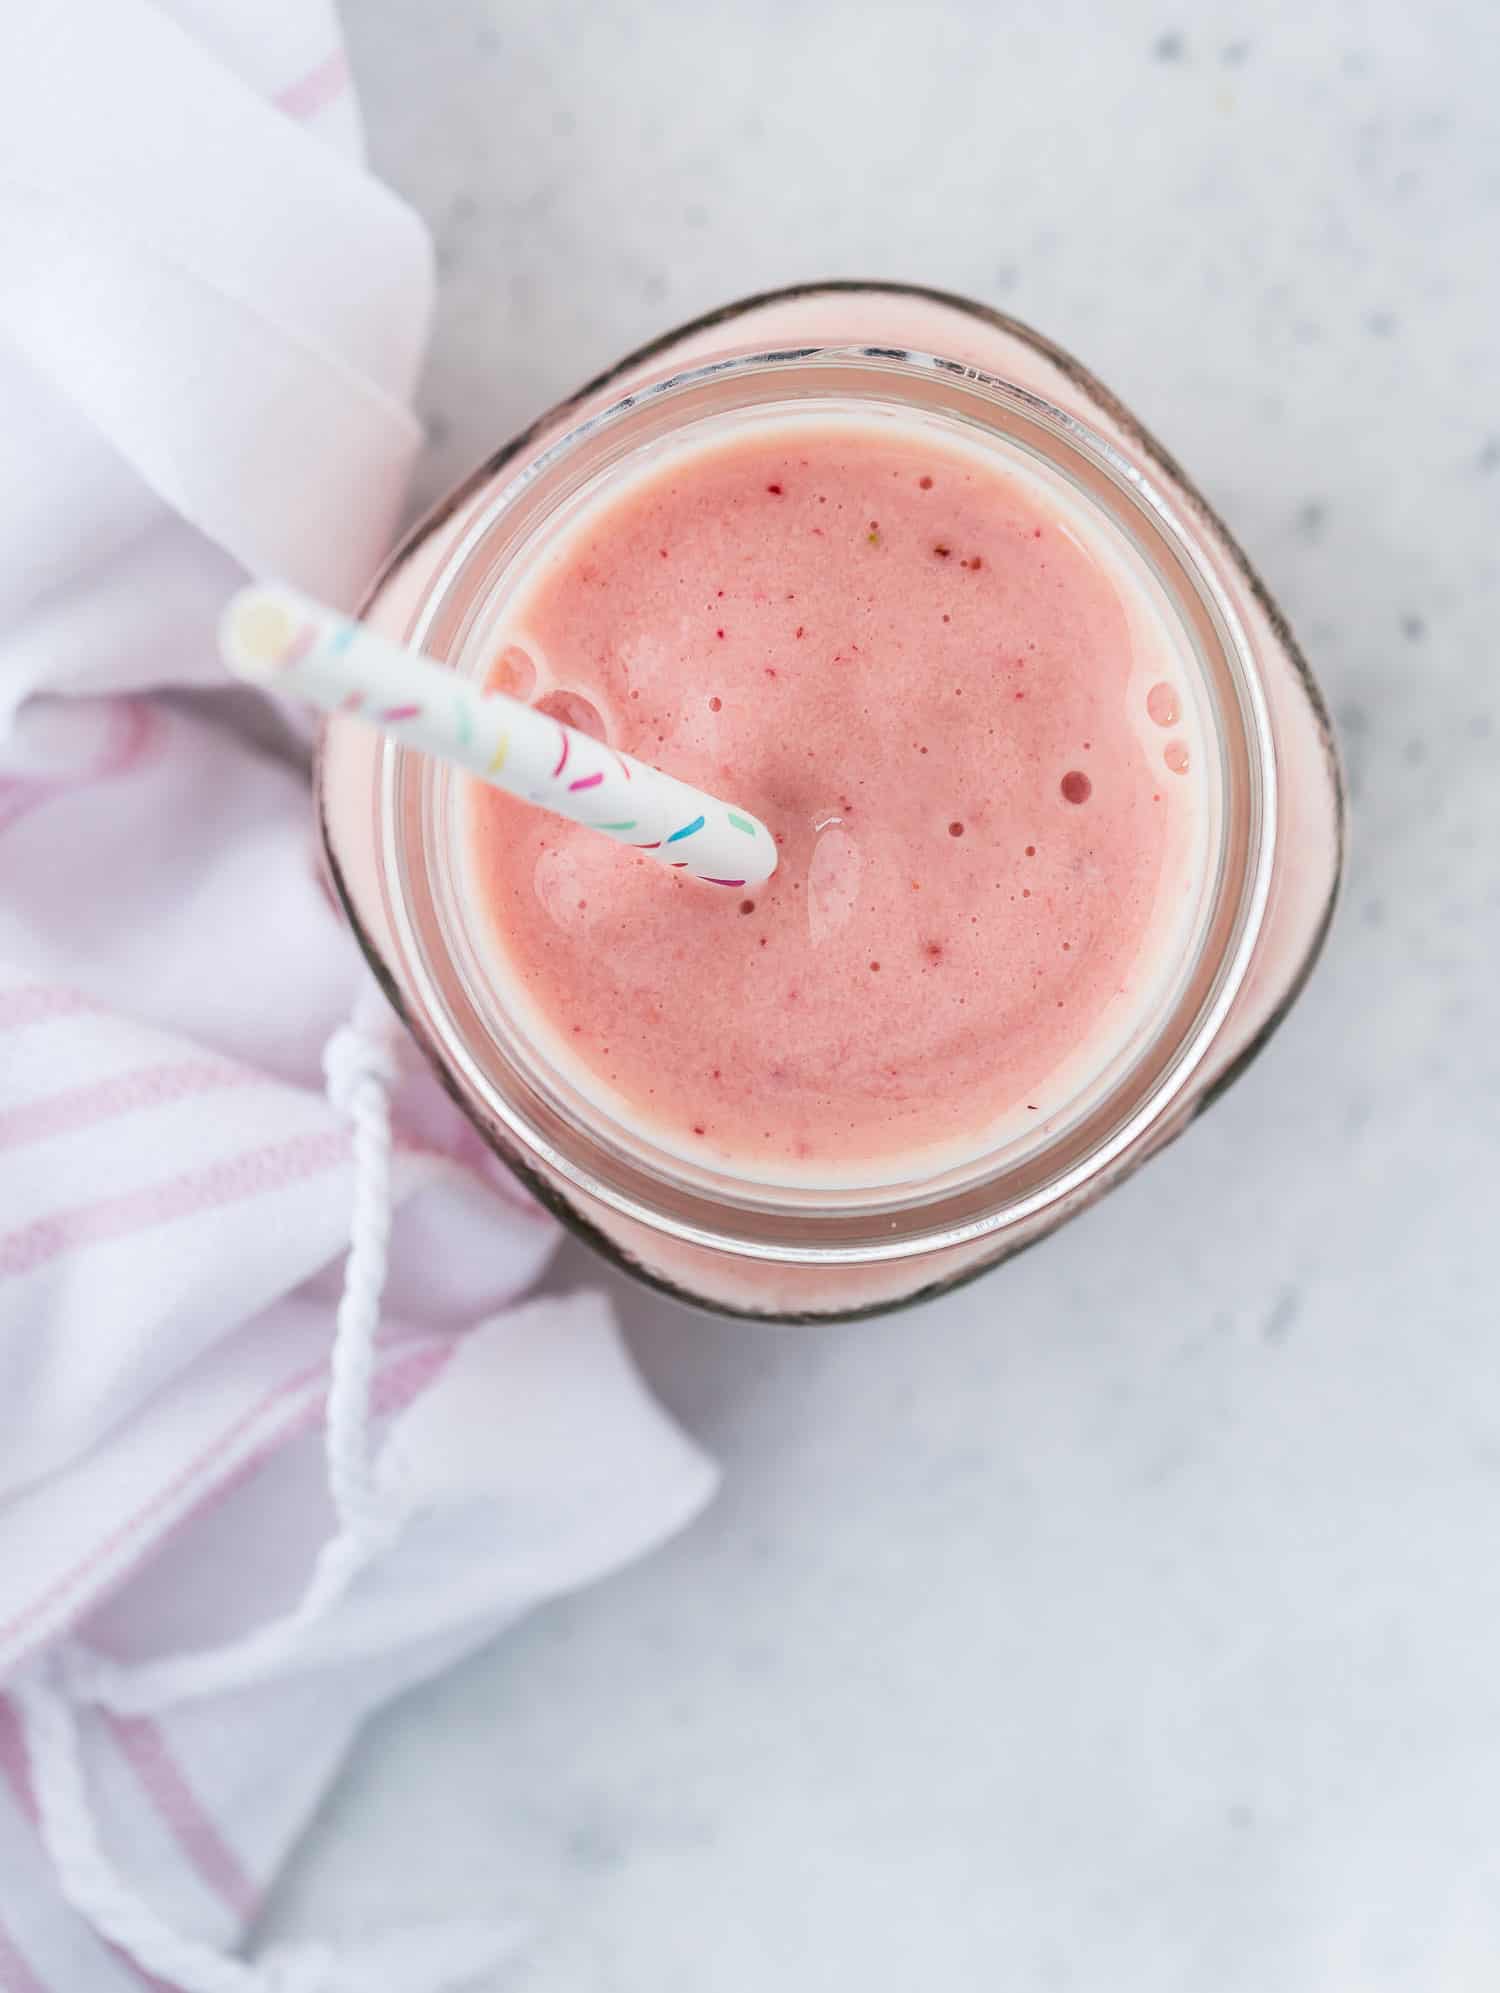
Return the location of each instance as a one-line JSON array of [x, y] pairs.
[[392, 829]]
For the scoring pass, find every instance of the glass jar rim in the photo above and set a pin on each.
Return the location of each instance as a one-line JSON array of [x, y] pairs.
[[787, 1227]]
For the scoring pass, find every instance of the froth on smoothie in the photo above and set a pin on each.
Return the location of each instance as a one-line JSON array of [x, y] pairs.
[[974, 736]]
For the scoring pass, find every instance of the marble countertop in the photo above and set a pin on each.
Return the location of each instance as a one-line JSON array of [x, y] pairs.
[[1130, 1621]]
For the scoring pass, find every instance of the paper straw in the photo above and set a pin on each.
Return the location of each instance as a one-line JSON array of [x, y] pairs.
[[275, 637]]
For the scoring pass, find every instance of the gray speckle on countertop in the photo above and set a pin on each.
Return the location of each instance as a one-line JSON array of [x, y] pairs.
[[1131, 1620]]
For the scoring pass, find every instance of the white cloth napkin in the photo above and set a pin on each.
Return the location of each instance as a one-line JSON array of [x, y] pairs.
[[210, 321]]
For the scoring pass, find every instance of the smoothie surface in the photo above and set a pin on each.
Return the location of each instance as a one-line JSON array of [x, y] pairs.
[[965, 729]]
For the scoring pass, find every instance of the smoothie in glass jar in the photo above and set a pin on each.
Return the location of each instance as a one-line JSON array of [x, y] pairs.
[[1059, 818]]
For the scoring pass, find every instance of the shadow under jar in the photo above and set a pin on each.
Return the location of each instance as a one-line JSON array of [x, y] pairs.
[[794, 1246]]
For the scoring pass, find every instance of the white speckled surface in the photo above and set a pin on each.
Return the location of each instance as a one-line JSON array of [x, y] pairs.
[[1130, 1621]]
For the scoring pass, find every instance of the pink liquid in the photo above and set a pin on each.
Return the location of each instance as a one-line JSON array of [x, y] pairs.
[[952, 710]]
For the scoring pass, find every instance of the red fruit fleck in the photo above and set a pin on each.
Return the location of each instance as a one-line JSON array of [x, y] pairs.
[[876, 967], [955, 830], [698, 1128], [942, 552], [719, 633], [799, 629], [933, 950], [975, 563], [747, 906], [1076, 786], [774, 489], [1031, 851], [716, 705], [925, 483]]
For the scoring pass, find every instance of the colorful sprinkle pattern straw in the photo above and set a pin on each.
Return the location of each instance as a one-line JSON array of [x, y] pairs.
[[276, 637]]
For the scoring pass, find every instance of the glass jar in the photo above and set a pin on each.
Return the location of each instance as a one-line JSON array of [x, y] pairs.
[[391, 830]]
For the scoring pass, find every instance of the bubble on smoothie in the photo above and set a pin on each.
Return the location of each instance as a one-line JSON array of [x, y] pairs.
[[513, 672], [573, 710], [1076, 786], [833, 877], [577, 878], [565, 881], [1176, 756], [1161, 704]]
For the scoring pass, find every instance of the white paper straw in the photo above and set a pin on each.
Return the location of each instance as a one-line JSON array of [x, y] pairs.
[[276, 637]]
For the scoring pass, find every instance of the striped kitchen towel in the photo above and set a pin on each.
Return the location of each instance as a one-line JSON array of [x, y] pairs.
[[247, 1492]]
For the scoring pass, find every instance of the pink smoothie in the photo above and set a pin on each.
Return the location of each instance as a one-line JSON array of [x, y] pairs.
[[967, 725]]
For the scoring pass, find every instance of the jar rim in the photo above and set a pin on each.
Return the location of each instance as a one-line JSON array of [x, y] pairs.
[[758, 1222]]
